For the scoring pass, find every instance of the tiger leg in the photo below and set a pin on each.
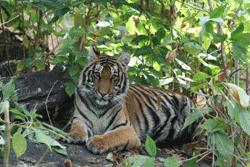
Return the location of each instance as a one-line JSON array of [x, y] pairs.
[[118, 139], [78, 131]]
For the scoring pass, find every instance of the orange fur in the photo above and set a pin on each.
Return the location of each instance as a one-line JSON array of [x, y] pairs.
[[115, 139], [76, 130]]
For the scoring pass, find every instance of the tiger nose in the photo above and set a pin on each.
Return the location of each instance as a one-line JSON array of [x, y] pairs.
[[103, 94]]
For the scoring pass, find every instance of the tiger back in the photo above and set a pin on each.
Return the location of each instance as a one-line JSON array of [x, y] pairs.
[[111, 115]]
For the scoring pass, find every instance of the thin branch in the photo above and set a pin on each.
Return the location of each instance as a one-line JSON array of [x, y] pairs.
[[46, 101], [235, 71], [6, 107], [248, 81], [4, 23]]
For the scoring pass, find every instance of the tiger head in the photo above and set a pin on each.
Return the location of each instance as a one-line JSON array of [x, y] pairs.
[[104, 80]]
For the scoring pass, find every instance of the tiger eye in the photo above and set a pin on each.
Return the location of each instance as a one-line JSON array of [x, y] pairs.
[[115, 78]]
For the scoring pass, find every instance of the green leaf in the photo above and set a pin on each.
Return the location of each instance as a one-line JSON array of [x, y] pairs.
[[156, 66], [200, 76], [60, 150], [137, 160], [73, 71], [52, 144], [197, 113], [130, 25], [70, 88], [239, 51], [233, 109], [221, 142], [244, 121], [39, 64], [140, 38], [150, 162], [19, 144], [170, 162], [214, 125], [160, 34], [150, 146], [145, 50], [237, 33], [9, 92], [192, 48], [218, 12], [219, 37]]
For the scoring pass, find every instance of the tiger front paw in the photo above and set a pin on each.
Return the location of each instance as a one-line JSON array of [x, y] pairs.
[[77, 139], [97, 145]]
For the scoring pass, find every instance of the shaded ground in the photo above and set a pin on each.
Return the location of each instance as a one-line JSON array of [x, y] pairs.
[[38, 155]]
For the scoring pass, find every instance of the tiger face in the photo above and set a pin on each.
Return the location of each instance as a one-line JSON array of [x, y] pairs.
[[104, 80]]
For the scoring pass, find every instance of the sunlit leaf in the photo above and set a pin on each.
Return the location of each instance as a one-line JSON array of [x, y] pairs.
[[238, 94], [103, 24], [165, 81], [170, 162], [19, 144], [150, 146], [244, 117], [183, 65], [2, 142], [200, 76], [205, 19]]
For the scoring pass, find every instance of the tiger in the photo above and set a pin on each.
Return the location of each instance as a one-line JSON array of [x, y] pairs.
[[112, 115]]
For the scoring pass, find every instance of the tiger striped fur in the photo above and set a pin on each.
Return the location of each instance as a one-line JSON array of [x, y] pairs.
[[111, 115]]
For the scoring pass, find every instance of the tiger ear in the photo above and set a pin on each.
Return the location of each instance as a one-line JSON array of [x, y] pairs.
[[94, 54], [124, 59]]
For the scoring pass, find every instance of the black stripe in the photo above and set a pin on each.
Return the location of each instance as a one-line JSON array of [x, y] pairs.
[[175, 100], [112, 119], [89, 134], [87, 70], [119, 125], [83, 115], [172, 130], [124, 85], [150, 107], [106, 111], [138, 120], [143, 115], [159, 131], [85, 102]]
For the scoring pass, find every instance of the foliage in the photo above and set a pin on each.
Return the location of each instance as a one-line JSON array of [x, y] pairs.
[[149, 161], [199, 46], [25, 125]]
